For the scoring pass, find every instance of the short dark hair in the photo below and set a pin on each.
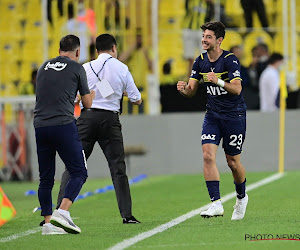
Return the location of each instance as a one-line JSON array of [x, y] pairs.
[[105, 42], [275, 57], [69, 43], [217, 27]]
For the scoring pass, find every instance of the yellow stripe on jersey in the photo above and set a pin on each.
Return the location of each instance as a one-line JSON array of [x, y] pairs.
[[219, 75], [228, 55], [201, 56], [195, 79], [237, 78]]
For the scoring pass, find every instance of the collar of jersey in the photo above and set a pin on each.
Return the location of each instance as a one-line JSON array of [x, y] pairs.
[[104, 56]]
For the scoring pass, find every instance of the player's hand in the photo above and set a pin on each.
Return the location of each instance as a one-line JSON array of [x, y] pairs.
[[211, 76], [181, 85], [93, 94]]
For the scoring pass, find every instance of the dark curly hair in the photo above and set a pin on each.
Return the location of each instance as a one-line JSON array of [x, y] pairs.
[[217, 27]]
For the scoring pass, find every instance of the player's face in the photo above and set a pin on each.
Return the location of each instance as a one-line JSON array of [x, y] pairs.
[[209, 40]]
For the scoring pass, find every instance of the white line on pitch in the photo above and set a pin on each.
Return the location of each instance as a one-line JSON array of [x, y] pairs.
[[19, 235], [26, 233], [131, 241]]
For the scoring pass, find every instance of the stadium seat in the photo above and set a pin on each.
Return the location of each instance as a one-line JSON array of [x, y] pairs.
[[171, 7], [170, 23], [9, 50], [232, 38], [8, 72], [33, 10], [235, 12], [33, 27], [25, 70]]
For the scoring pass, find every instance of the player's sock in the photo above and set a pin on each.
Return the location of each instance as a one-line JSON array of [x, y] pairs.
[[213, 190], [240, 189]]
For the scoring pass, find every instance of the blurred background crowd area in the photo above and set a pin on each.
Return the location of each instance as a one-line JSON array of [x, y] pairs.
[[30, 31]]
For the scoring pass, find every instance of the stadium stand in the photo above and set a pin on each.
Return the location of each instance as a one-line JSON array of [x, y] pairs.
[[232, 38], [21, 40], [170, 36], [235, 11], [252, 39]]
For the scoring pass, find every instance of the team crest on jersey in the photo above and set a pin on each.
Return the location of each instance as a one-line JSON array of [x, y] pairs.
[[236, 73], [193, 72], [58, 66], [208, 137]]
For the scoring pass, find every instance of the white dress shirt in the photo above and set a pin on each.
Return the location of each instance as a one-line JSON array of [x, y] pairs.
[[119, 78], [268, 89]]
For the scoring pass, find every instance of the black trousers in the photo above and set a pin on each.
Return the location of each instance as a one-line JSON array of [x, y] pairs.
[[254, 5], [104, 127]]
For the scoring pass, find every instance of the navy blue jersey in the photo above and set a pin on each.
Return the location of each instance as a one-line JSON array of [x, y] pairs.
[[58, 81], [220, 102]]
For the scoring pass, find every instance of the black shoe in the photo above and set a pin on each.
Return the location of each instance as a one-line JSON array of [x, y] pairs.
[[42, 223], [130, 220]]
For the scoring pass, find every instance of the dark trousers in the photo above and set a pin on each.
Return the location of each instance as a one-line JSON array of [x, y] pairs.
[[104, 127], [254, 5], [63, 139]]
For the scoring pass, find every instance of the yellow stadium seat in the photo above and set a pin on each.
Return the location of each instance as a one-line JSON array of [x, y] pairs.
[[232, 38], [234, 10], [171, 7], [10, 89], [25, 71], [9, 50], [170, 23], [33, 51], [33, 10]]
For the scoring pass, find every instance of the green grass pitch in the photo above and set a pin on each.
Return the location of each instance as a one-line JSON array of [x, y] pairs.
[[272, 209]]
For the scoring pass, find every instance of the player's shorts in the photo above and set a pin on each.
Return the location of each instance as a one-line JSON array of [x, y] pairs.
[[233, 133], [65, 140]]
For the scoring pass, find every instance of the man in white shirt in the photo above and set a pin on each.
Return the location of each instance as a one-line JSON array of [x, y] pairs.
[[269, 84], [110, 79]]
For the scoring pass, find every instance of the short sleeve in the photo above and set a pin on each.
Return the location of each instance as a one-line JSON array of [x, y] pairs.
[[83, 86], [195, 70], [233, 67]]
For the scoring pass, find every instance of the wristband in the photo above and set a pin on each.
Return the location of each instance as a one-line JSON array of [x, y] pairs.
[[220, 83]]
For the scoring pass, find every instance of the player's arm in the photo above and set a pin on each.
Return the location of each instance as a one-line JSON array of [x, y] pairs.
[[234, 87], [87, 99], [87, 96], [131, 91], [188, 90]]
